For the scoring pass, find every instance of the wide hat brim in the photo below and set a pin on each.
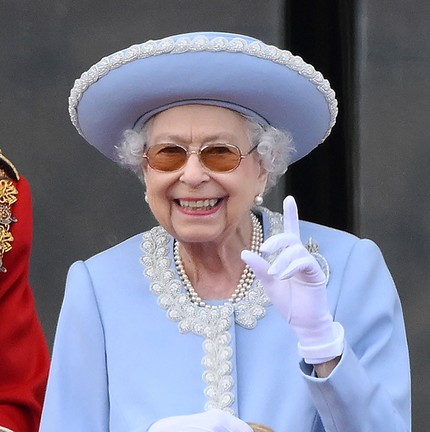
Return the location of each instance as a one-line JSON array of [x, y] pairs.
[[125, 89]]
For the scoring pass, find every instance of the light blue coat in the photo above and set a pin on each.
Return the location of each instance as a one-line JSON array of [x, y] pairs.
[[131, 348]]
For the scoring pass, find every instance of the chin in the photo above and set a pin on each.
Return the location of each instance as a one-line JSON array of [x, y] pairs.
[[197, 235]]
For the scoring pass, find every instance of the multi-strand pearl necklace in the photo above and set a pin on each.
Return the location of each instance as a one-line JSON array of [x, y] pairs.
[[245, 280]]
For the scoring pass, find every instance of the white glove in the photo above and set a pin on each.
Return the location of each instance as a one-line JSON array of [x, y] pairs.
[[210, 421], [296, 285]]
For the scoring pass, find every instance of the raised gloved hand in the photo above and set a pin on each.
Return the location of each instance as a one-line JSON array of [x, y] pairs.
[[296, 285], [210, 421]]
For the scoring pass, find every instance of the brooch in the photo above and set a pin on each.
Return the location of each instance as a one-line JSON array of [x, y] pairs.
[[256, 427], [313, 248]]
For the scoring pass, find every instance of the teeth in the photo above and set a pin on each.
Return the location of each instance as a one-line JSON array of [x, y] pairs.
[[199, 204]]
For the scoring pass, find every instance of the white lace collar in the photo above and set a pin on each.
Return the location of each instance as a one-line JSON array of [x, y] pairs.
[[165, 283]]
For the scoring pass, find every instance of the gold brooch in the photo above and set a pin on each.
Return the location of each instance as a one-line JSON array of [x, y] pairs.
[[8, 196], [256, 427]]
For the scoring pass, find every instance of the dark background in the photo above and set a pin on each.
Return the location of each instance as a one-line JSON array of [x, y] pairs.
[[371, 176]]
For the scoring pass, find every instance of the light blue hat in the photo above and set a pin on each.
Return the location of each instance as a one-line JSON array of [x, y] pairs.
[[123, 90]]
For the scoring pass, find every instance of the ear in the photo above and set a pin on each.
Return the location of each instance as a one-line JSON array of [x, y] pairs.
[[144, 168], [262, 179]]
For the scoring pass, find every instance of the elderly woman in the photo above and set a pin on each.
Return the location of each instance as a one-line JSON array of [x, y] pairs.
[[226, 316]]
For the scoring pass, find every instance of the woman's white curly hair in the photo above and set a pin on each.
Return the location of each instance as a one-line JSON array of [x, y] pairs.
[[275, 148]]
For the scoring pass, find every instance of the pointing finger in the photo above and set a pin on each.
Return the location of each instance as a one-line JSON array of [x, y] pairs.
[[291, 218]]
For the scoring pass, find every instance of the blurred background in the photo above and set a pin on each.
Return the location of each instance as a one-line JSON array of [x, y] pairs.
[[371, 177]]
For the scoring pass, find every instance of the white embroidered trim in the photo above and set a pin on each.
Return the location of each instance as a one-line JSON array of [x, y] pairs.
[[201, 43], [211, 324]]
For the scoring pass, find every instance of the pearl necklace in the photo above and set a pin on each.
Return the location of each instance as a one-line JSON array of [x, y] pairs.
[[245, 280]]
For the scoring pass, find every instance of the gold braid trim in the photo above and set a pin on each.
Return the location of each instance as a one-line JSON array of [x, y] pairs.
[[8, 196]]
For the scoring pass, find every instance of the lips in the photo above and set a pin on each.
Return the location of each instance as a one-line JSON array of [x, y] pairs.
[[198, 205]]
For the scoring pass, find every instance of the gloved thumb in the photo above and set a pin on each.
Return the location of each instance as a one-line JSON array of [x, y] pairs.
[[257, 263]]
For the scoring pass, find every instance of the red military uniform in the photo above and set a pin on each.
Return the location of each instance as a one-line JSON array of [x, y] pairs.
[[24, 357]]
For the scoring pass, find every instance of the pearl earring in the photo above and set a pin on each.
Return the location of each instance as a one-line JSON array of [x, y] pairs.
[[258, 200], [146, 198]]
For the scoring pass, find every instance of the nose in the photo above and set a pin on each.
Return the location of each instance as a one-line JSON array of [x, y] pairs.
[[193, 172]]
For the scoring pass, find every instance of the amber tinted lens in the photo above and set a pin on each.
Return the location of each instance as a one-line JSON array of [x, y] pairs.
[[220, 157], [164, 157]]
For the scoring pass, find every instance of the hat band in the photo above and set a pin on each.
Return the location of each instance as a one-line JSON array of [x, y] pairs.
[[140, 123]]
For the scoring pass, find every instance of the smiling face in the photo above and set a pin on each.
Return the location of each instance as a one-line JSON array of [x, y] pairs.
[[193, 203]]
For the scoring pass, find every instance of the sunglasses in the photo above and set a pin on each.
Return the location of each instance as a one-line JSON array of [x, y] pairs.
[[215, 157]]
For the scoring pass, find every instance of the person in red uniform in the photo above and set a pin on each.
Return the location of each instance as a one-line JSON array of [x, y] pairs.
[[24, 356]]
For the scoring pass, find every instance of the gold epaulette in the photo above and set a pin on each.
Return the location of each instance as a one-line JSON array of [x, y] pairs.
[[8, 196], [8, 167]]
